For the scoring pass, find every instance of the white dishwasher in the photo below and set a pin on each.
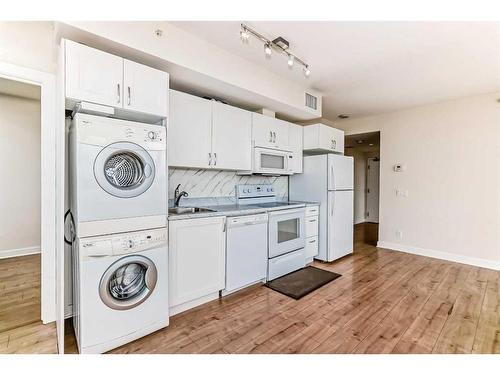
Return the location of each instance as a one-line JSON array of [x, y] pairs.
[[246, 251]]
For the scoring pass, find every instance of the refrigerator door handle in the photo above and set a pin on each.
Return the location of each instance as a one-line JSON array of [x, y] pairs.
[[331, 206], [332, 176]]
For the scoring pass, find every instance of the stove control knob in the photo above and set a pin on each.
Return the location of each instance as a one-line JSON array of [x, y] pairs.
[[130, 244], [152, 135]]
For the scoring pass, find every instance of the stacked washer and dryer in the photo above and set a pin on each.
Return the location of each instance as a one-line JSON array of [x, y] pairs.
[[118, 182]]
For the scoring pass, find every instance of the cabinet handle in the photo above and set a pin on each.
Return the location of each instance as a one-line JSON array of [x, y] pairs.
[[274, 137], [312, 241], [209, 159], [334, 144], [312, 221], [118, 96], [128, 89], [215, 156], [270, 136]]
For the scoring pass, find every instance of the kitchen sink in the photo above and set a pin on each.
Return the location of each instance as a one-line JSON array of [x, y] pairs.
[[188, 210]]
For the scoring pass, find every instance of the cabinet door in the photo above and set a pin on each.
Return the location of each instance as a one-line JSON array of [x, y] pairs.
[[281, 134], [145, 89], [338, 140], [196, 258], [189, 131], [262, 130], [93, 76], [231, 137], [311, 247], [295, 136]]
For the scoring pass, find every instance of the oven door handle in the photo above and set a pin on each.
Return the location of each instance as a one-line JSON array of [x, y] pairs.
[[287, 212]]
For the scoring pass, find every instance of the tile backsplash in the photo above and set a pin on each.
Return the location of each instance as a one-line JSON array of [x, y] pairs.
[[202, 183]]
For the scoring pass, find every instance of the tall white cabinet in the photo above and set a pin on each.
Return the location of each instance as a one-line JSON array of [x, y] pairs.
[[208, 134], [99, 77], [197, 250]]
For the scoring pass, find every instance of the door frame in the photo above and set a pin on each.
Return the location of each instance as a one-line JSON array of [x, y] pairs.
[[50, 183]]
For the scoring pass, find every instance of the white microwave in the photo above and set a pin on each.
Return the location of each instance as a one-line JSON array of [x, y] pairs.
[[272, 162]]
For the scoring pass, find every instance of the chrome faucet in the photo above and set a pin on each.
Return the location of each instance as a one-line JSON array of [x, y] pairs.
[[178, 195]]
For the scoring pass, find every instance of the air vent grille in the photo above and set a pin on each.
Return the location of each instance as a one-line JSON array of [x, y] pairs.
[[311, 101]]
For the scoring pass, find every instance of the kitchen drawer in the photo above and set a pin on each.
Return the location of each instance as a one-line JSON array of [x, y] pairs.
[[311, 226], [287, 263], [311, 247], [312, 210]]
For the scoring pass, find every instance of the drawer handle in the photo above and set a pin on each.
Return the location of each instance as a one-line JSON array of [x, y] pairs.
[[312, 221], [312, 241]]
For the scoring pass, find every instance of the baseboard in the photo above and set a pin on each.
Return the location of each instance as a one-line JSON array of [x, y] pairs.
[[11, 253], [472, 261]]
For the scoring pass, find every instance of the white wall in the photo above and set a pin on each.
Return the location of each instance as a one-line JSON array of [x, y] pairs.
[[29, 44], [452, 155], [20, 171]]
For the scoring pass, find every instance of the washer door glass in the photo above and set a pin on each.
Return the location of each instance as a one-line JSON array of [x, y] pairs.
[[128, 282], [124, 169]]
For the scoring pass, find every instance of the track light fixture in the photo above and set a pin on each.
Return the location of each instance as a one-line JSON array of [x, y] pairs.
[[279, 44]]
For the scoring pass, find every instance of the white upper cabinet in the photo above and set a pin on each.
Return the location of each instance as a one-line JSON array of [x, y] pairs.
[[145, 89], [231, 137], [269, 132], [102, 78], [295, 140], [320, 138], [92, 75], [208, 134], [190, 131]]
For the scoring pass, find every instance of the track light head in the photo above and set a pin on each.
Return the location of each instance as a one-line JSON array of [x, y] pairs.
[[291, 59], [244, 35], [307, 72], [267, 49]]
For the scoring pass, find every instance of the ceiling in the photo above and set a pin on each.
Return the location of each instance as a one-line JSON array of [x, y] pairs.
[[363, 142], [365, 68], [21, 89]]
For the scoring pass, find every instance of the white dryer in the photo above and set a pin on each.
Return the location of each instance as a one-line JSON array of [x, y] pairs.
[[118, 175], [120, 288]]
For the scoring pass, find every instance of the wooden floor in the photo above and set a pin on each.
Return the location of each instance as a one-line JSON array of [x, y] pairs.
[[385, 302], [21, 330]]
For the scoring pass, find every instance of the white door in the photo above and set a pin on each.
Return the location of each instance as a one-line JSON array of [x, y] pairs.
[[338, 140], [145, 89], [281, 138], [295, 138], [190, 131], [340, 223], [231, 137], [372, 189], [93, 76], [340, 172], [196, 258]]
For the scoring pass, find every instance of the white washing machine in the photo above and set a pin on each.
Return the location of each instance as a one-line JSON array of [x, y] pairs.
[[121, 288], [118, 175]]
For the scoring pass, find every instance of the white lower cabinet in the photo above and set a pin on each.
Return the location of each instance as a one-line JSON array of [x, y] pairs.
[[196, 261]]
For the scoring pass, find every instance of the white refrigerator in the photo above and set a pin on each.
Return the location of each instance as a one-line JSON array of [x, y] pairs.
[[329, 180]]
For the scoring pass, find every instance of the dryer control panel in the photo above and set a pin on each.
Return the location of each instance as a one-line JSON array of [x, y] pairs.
[[132, 242]]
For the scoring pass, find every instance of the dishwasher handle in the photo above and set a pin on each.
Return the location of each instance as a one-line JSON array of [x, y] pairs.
[[233, 222]]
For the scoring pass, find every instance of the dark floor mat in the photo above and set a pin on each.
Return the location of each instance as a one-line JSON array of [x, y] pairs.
[[302, 282]]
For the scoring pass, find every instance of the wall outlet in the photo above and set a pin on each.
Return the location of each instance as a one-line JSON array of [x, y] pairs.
[[399, 234]]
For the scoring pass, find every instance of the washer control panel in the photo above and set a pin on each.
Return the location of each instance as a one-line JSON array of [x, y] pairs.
[[125, 243]]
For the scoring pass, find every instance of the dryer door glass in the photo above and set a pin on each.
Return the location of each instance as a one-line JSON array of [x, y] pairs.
[[128, 282], [124, 169]]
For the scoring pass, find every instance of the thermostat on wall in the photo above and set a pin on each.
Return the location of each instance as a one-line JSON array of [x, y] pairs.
[[399, 167]]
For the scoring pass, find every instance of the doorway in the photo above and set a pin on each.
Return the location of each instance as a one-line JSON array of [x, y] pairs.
[[40, 336], [365, 149]]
